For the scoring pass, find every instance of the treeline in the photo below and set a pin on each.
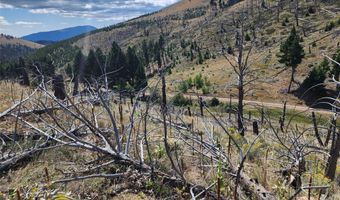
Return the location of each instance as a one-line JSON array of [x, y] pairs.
[[117, 69], [24, 66], [11, 51]]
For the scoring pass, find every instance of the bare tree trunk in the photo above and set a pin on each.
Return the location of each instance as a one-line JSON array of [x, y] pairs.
[[334, 155], [316, 131], [291, 80], [76, 86], [240, 106], [297, 12], [283, 117], [255, 128]]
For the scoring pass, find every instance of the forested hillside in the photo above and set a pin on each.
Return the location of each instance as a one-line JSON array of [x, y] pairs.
[[11, 48]]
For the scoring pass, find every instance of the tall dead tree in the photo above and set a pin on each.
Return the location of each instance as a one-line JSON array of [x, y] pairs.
[[296, 14], [240, 65], [162, 67], [334, 155]]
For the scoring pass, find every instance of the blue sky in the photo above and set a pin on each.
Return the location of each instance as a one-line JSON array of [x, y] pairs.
[[23, 17]]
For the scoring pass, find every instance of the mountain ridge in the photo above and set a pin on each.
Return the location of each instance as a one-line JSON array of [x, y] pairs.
[[58, 35]]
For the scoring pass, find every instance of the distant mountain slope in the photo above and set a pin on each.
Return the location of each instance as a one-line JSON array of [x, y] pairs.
[[58, 35], [206, 29], [11, 47]]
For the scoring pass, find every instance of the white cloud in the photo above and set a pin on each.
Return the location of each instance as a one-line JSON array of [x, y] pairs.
[[3, 21], [88, 6], [45, 11], [3, 5], [103, 10], [27, 23], [161, 3]]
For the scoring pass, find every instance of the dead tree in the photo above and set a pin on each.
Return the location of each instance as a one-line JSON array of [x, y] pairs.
[[316, 130], [162, 67], [334, 155], [255, 128], [240, 65], [59, 87], [283, 117], [296, 13]]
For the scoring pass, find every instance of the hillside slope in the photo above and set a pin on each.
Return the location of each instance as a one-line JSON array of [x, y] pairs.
[[11, 47], [209, 27]]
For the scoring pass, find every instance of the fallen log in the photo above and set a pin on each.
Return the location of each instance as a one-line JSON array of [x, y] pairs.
[[11, 162]]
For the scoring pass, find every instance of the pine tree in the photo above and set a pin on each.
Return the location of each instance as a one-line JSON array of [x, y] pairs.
[[24, 79], [100, 59], [140, 78], [78, 71], [133, 64], [146, 53], [291, 54], [317, 76], [59, 87], [200, 58], [247, 37], [90, 67], [117, 72]]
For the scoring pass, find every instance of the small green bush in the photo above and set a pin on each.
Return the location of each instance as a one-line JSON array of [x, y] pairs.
[[247, 37], [198, 81], [183, 86], [205, 90], [180, 100], [329, 26], [214, 102]]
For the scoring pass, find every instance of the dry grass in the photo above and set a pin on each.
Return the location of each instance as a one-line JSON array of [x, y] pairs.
[[219, 73]]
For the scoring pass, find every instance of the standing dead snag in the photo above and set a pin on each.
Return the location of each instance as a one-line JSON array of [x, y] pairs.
[[316, 131], [239, 62], [331, 129], [334, 155], [59, 87], [201, 106], [283, 117], [164, 111], [255, 128]]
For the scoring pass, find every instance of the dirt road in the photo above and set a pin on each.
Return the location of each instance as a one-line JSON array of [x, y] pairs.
[[298, 108]]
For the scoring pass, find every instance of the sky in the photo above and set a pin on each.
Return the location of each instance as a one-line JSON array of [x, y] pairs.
[[22, 17]]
